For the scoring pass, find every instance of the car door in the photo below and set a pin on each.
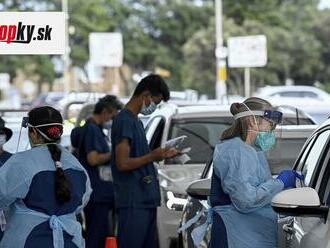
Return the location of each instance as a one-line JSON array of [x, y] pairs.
[[313, 162]]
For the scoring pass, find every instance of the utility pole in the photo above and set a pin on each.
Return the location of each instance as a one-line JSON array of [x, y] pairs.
[[66, 56], [220, 53]]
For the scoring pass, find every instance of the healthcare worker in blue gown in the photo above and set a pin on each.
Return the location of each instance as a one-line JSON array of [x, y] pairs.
[[242, 185], [5, 135], [44, 188]]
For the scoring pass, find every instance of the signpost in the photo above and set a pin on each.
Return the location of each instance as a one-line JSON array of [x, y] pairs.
[[106, 49], [106, 52], [246, 52]]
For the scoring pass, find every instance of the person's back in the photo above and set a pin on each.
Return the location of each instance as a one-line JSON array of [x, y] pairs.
[[44, 188], [36, 186]]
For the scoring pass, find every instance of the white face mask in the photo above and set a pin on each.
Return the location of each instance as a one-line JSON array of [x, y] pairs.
[[2, 140]]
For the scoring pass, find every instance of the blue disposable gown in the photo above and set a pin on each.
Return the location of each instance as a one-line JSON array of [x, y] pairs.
[[245, 176], [35, 218]]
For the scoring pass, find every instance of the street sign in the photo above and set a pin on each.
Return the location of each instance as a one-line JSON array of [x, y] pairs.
[[106, 49], [247, 51]]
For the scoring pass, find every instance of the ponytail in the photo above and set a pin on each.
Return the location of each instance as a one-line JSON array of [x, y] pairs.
[[62, 184], [48, 123]]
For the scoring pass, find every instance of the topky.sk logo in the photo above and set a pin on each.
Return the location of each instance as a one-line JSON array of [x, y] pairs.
[[32, 33], [21, 33]]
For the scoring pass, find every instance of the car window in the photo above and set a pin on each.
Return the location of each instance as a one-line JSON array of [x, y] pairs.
[[151, 127], [289, 94], [156, 138], [202, 135], [297, 121], [309, 160], [284, 153], [309, 94]]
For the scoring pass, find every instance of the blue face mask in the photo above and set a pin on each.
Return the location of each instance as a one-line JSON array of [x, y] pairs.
[[265, 140], [148, 110], [107, 125]]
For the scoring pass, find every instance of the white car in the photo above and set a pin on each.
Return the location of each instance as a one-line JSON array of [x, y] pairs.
[[304, 219], [293, 91], [312, 100], [304, 211]]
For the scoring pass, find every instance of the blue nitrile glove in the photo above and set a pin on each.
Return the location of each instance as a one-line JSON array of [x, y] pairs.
[[288, 177]]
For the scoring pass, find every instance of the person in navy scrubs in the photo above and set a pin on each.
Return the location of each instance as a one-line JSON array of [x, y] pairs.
[[44, 188], [94, 154], [136, 184]]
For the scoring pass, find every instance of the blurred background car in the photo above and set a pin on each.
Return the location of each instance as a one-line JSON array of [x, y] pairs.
[[49, 98], [314, 101]]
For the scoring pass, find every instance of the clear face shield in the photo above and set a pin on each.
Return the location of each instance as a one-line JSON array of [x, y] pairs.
[[270, 125], [26, 124]]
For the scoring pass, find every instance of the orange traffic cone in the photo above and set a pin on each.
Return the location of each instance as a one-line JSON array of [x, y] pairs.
[[111, 242]]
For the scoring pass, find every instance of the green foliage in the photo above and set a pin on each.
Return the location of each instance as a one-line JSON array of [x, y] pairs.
[[179, 36]]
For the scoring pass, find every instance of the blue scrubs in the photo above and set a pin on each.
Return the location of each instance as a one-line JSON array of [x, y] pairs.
[[241, 192], [137, 192], [102, 199], [36, 219], [4, 156]]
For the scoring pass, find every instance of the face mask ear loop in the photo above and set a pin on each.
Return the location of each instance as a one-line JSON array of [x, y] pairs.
[[255, 119]]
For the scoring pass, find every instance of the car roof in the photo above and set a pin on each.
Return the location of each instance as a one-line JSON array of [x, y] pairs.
[[323, 125], [181, 112], [280, 88]]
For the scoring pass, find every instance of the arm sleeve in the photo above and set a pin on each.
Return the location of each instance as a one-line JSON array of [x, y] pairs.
[[87, 194], [123, 130], [237, 173], [92, 139], [14, 181]]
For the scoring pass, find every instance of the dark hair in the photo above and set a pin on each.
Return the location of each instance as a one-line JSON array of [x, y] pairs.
[[108, 102], [51, 134], [239, 127], [155, 84]]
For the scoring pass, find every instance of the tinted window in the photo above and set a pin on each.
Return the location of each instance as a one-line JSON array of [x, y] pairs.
[[295, 121], [290, 94], [284, 154], [309, 94], [311, 156], [202, 135]]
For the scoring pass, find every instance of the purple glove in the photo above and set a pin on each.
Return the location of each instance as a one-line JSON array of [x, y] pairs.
[[288, 177]]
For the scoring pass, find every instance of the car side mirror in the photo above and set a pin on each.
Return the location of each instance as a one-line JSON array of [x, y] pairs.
[[199, 189], [302, 202]]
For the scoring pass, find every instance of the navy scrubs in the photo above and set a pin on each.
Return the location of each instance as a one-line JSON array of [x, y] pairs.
[[137, 192], [102, 198]]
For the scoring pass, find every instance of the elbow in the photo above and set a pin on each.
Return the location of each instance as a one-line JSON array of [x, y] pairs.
[[243, 207], [92, 162], [122, 167]]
